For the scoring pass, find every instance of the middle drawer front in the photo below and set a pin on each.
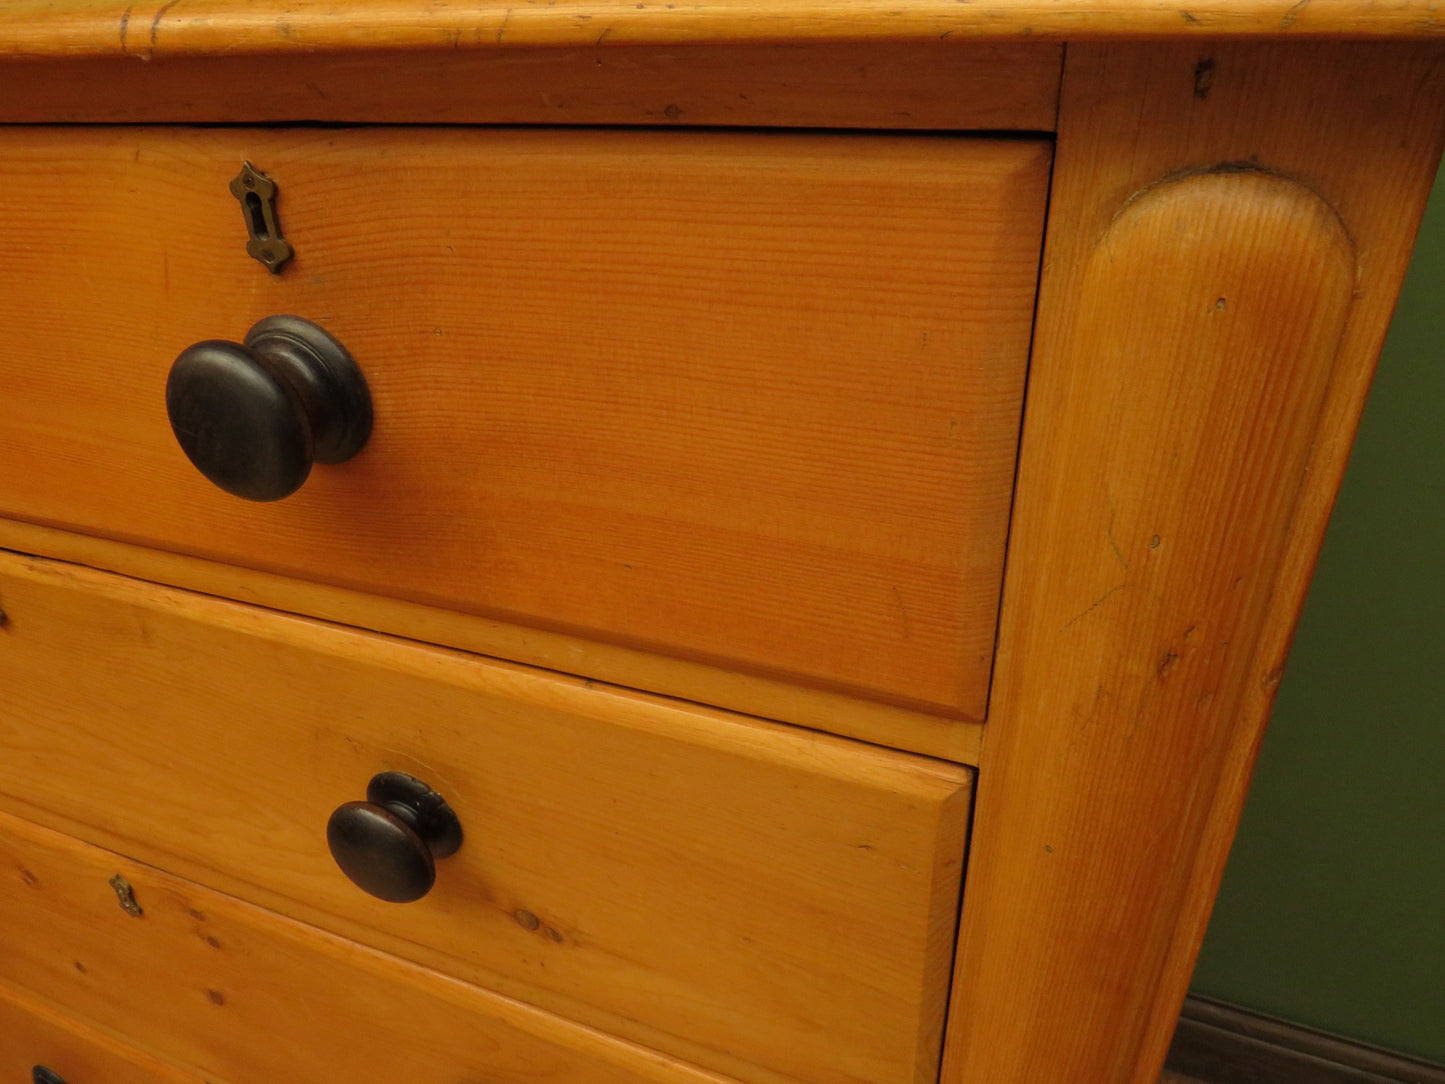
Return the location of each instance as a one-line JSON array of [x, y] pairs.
[[748, 896]]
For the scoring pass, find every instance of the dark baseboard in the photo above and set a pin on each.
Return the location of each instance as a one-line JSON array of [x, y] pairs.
[[1221, 1044]]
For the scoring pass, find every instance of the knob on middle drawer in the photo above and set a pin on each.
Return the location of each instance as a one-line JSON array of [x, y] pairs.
[[253, 416]]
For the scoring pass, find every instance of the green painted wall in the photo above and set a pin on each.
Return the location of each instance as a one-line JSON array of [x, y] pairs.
[[1332, 912]]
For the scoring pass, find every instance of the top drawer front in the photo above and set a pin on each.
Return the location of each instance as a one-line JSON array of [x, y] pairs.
[[750, 400]]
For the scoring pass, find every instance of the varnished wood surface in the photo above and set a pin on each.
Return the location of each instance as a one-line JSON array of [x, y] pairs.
[[750, 400], [817, 709], [1229, 227], [1211, 402], [240, 994], [925, 85], [763, 900], [33, 1033], [171, 27]]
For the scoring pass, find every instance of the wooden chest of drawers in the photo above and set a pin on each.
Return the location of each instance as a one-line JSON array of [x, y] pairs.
[[781, 422]]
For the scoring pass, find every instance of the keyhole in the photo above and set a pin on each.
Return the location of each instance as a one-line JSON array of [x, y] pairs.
[[257, 195], [257, 217]]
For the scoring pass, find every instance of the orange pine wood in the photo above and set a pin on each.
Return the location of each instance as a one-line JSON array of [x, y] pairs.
[[1228, 229], [168, 27], [32, 1033], [926, 85], [751, 897], [244, 995], [818, 709], [748, 400]]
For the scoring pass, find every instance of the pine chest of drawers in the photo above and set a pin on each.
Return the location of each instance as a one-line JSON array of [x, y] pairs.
[[795, 588]]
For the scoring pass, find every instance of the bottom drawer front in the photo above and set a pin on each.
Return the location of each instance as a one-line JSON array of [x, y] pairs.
[[245, 996], [34, 1035], [762, 900]]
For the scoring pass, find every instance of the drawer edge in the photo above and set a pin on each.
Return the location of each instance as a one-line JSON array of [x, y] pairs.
[[937, 85], [956, 740]]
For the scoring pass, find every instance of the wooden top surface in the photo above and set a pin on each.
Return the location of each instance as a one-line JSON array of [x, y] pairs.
[[76, 28]]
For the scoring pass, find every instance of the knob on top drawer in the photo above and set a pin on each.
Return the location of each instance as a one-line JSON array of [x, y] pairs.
[[747, 400], [253, 416]]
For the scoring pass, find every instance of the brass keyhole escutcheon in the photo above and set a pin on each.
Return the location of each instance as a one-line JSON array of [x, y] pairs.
[[257, 193]]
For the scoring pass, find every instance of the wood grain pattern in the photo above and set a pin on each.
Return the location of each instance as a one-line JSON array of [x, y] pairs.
[[32, 1033], [1229, 226], [245, 995], [817, 709], [928, 85], [767, 901], [748, 400], [169, 27]]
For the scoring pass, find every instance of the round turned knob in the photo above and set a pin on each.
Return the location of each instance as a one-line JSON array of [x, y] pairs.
[[253, 416], [388, 844]]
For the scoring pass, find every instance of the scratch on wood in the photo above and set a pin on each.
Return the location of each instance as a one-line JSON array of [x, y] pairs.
[[602, 35], [1292, 14], [1102, 599], [124, 26], [506, 18], [1092, 716], [156, 22], [1112, 544]]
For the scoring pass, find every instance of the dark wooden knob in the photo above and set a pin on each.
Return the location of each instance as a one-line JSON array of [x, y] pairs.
[[41, 1075], [253, 416], [388, 844]]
